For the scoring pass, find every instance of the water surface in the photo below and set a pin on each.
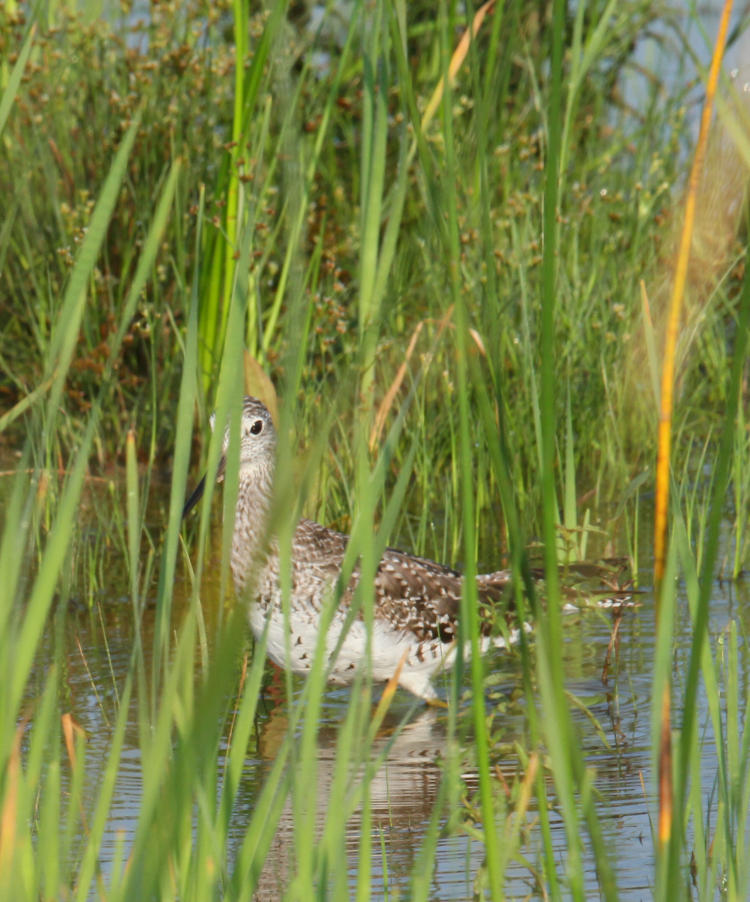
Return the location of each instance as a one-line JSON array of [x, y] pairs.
[[612, 719]]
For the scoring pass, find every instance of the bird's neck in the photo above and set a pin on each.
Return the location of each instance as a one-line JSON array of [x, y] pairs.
[[250, 540]]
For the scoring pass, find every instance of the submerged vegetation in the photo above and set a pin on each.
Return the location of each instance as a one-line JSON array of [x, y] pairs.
[[459, 288]]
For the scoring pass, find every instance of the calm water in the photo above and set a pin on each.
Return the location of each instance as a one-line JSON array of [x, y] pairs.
[[612, 720]]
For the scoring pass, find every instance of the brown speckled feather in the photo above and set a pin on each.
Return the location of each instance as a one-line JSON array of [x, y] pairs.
[[411, 593]]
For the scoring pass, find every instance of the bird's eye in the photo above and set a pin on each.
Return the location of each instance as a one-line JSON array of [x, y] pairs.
[[257, 427]]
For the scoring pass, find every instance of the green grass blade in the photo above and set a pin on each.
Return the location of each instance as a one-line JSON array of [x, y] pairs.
[[11, 88], [469, 614], [65, 334], [90, 862]]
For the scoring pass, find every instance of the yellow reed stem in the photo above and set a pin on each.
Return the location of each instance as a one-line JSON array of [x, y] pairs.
[[665, 415], [675, 310]]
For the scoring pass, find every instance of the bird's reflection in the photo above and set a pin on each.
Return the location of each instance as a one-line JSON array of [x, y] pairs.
[[402, 776]]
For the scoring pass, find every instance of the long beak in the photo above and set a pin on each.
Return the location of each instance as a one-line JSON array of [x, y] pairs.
[[200, 488]]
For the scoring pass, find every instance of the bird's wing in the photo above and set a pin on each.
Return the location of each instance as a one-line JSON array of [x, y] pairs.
[[417, 594]]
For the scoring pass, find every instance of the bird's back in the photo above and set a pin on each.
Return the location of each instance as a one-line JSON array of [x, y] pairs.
[[411, 594]]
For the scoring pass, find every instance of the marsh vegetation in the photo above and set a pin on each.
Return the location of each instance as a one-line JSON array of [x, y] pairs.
[[460, 289]]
